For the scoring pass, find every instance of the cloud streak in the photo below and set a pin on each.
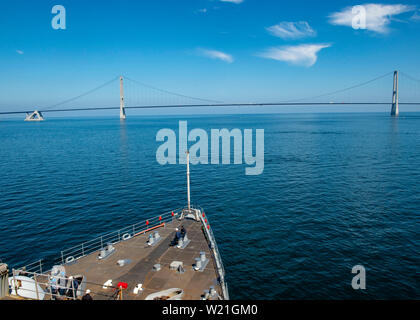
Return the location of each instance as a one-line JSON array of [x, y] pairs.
[[302, 55], [378, 16], [292, 30], [415, 16], [219, 55], [20, 52]]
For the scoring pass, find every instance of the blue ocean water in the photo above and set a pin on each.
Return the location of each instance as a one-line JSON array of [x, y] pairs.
[[337, 190]]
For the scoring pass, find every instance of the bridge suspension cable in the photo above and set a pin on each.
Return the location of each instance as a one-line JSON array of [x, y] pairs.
[[81, 95], [345, 89], [409, 88], [409, 77], [170, 92]]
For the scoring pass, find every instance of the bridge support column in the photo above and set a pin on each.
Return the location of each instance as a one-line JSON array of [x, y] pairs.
[[34, 116], [122, 110], [395, 108]]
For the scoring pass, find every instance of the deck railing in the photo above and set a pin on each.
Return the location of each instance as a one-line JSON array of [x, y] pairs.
[[75, 253], [213, 245], [33, 267], [39, 286]]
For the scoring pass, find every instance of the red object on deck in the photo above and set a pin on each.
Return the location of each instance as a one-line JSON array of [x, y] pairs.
[[205, 221], [173, 213], [160, 218], [208, 227], [147, 222], [122, 285], [150, 229], [204, 215]]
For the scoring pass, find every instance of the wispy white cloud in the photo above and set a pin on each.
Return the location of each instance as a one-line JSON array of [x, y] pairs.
[[19, 52], [204, 10], [415, 16], [292, 30], [214, 54], [233, 1], [304, 55], [378, 16]]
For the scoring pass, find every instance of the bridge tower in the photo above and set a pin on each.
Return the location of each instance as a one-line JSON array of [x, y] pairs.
[[395, 109], [122, 110], [34, 116]]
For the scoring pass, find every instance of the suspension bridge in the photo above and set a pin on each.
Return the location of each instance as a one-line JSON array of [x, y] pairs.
[[145, 98]]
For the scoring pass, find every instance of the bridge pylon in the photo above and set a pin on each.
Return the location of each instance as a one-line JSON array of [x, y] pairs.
[[122, 110], [395, 108], [34, 116]]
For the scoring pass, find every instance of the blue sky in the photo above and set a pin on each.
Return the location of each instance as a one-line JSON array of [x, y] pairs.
[[227, 50]]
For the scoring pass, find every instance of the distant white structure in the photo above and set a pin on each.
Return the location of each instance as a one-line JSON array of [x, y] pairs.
[[395, 109], [34, 116], [122, 110]]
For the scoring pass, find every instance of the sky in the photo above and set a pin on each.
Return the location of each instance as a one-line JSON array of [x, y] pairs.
[[224, 50]]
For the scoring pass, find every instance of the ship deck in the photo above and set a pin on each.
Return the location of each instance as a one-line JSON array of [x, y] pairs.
[[143, 257]]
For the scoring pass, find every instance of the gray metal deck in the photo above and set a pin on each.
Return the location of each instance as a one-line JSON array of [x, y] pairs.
[[144, 257]]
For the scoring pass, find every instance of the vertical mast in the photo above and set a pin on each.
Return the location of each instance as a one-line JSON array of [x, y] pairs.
[[188, 180], [122, 110], [395, 107]]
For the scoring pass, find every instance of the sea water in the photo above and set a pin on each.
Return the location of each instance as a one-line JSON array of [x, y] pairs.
[[338, 190]]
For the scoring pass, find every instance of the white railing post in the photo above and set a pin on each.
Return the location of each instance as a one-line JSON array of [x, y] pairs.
[[14, 282], [72, 289], [50, 290], [36, 286]]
